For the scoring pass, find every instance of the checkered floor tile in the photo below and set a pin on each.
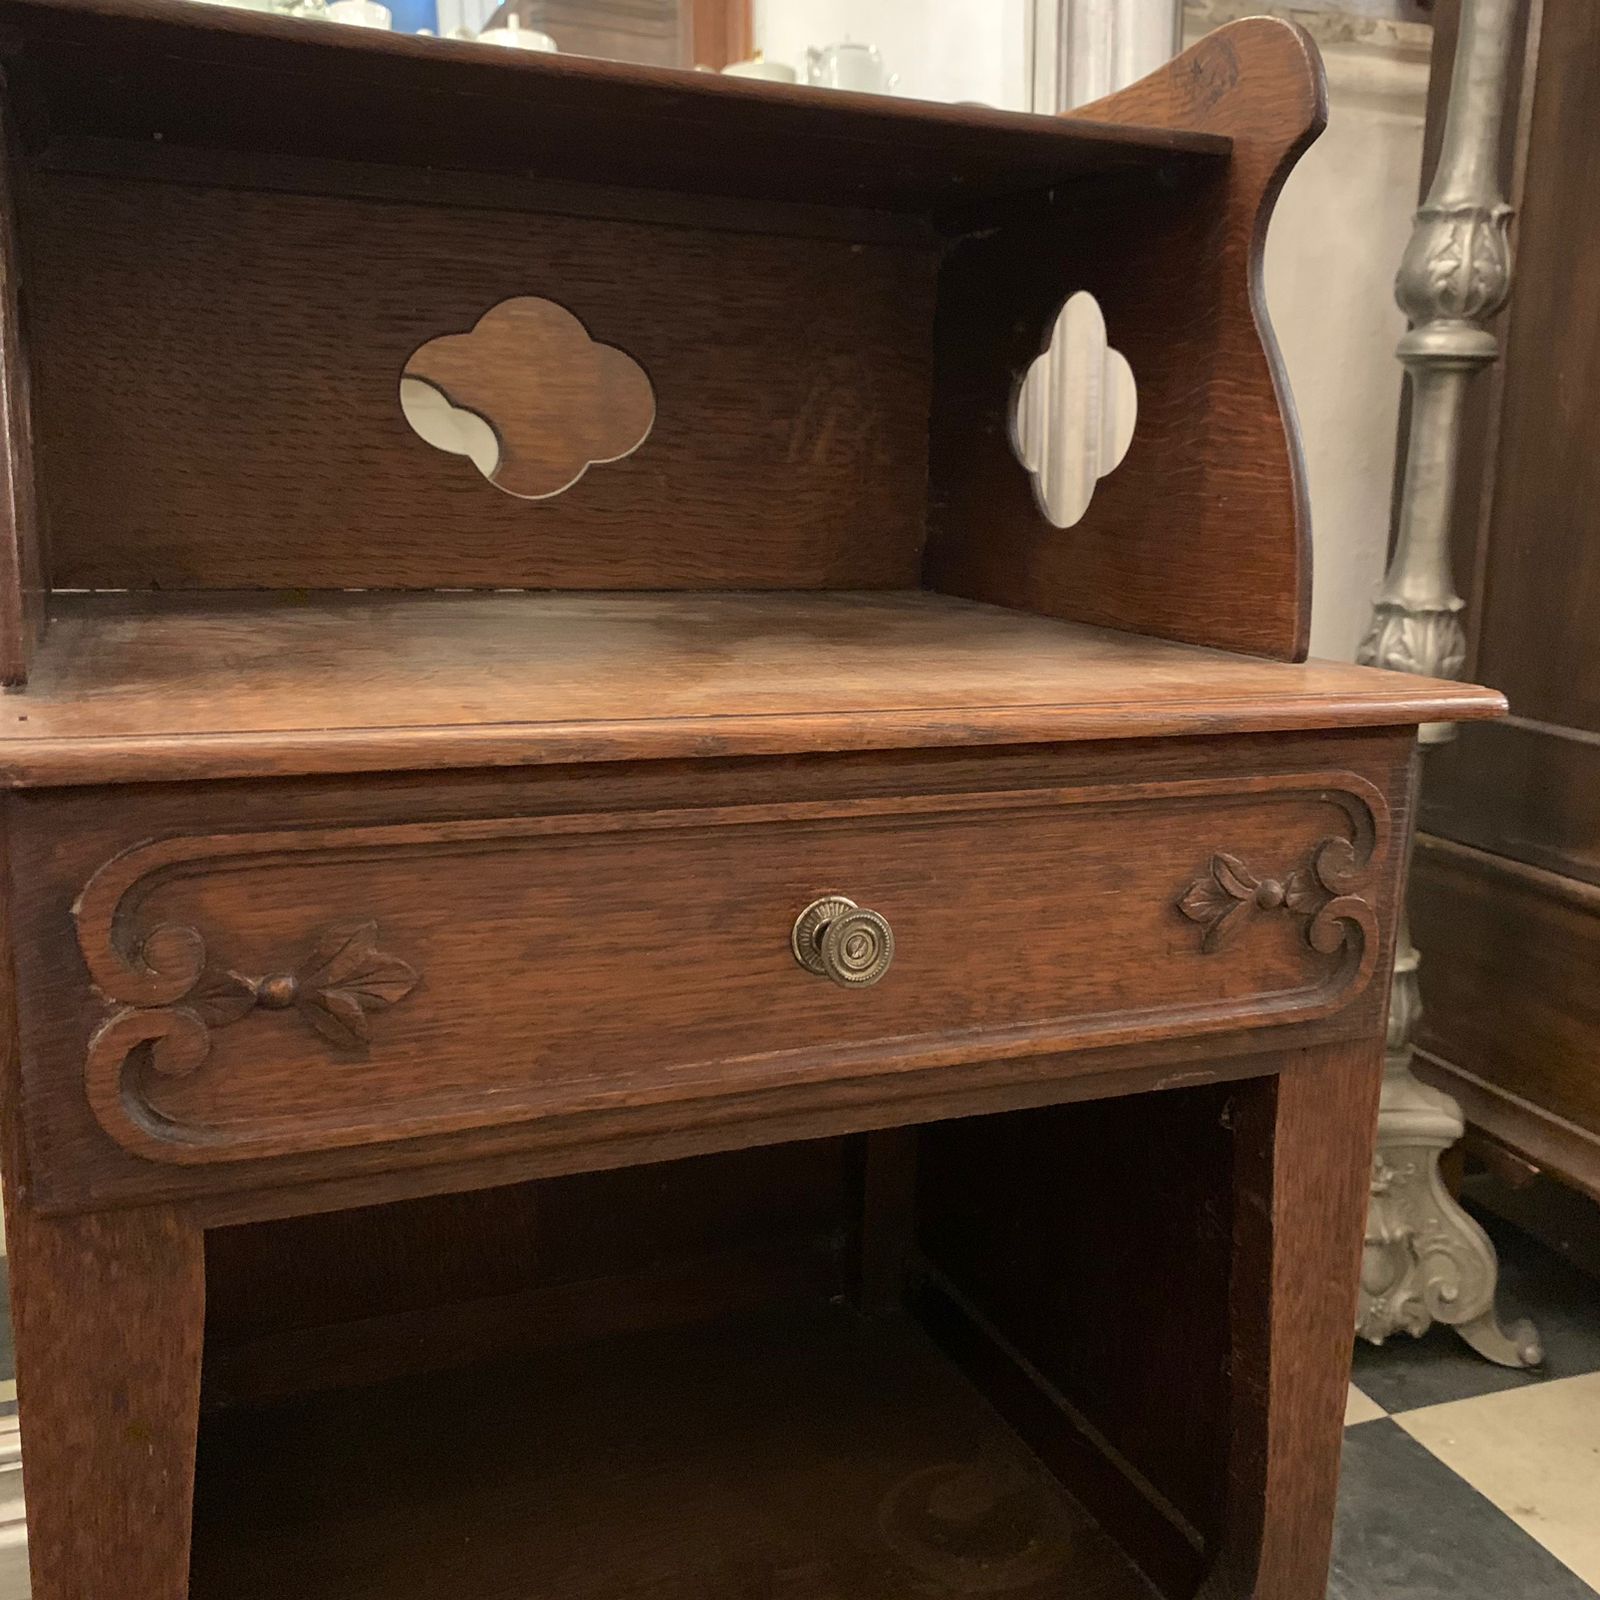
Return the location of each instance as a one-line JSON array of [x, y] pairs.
[[1466, 1481]]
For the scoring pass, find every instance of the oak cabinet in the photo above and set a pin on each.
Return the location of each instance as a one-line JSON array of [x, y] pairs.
[[575, 831]]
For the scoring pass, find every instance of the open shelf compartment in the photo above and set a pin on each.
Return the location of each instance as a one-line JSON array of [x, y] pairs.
[[809, 1371], [230, 238], [807, 1452]]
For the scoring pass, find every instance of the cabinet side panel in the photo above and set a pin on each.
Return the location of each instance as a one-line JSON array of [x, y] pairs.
[[1075, 1232], [1203, 532]]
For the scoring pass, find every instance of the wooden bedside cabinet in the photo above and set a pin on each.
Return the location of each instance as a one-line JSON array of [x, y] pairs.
[[630, 975]]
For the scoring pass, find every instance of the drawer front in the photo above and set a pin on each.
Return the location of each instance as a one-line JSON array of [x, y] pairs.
[[259, 994]]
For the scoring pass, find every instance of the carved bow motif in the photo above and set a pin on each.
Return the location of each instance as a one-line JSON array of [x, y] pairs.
[[1227, 897], [343, 979]]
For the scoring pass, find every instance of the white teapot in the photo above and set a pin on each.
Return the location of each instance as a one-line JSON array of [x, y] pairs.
[[848, 65]]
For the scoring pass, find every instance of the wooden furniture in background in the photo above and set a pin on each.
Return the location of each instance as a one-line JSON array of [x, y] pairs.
[[1508, 863], [399, 979], [719, 31]]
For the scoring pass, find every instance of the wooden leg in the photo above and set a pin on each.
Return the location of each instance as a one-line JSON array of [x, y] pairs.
[[108, 1311], [1303, 1159]]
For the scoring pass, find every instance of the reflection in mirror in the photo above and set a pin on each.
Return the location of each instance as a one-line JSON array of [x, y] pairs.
[[528, 397], [1074, 415], [657, 33]]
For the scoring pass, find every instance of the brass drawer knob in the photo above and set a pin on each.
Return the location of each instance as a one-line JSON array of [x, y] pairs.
[[835, 938]]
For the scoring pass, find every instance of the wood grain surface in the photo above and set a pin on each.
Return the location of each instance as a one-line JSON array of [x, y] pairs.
[[1507, 1018], [107, 1311], [683, 893], [1533, 592], [719, 31], [651, 31], [155, 686], [1203, 532], [1527, 791], [362, 1295], [1213, 1437], [557, 401], [806, 1453], [1053, 1300], [252, 437], [319, 899], [461, 976], [1300, 1207]]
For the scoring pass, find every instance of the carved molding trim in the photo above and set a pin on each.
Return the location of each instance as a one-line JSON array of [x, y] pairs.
[[169, 998], [1322, 892], [334, 988]]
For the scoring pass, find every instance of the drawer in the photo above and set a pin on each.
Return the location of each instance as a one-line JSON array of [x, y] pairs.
[[316, 988]]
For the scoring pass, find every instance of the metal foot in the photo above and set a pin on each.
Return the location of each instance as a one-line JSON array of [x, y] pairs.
[[1425, 1259], [1519, 1347]]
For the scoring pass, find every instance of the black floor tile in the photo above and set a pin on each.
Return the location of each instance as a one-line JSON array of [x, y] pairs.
[[1410, 1529], [1535, 1282]]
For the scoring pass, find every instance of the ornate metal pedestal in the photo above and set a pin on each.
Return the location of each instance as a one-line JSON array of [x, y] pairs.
[[1426, 1260]]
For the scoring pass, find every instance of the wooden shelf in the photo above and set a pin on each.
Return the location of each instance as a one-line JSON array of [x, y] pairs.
[[804, 1453], [212, 685], [230, 81]]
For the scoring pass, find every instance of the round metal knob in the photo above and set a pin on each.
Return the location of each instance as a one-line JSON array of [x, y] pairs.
[[836, 939]]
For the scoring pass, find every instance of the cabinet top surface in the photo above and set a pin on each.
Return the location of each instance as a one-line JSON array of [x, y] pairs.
[[139, 686], [206, 76]]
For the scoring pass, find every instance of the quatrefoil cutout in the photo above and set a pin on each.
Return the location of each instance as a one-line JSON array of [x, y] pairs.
[[529, 397], [1074, 413]]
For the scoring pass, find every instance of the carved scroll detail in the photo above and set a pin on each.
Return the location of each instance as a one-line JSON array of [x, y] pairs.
[[177, 997], [1320, 892]]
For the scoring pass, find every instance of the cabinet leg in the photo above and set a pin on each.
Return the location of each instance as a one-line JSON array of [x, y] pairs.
[[1299, 1210], [108, 1311]]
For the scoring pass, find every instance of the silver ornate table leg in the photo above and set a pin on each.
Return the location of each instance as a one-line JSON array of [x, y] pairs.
[[1426, 1260]]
